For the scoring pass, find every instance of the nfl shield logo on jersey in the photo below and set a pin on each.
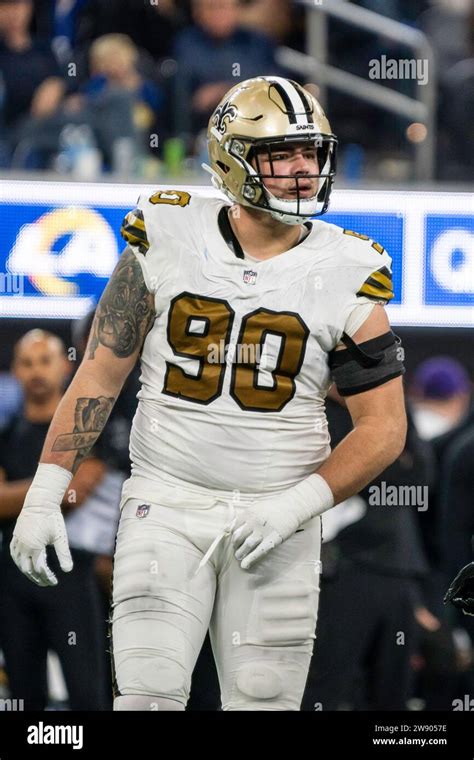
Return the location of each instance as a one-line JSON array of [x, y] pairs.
[[143, 510], [250, 276]]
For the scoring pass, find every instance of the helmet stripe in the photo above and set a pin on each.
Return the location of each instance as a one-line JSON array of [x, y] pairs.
[[306, 104], [292, 100], [287, 101]]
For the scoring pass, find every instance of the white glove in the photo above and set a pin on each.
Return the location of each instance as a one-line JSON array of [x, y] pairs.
[[41, 523], [273, 519]]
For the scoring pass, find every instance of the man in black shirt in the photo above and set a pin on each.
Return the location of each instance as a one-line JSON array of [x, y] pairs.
[[457, 505], [370, 591], [64, 618], [456, 498]]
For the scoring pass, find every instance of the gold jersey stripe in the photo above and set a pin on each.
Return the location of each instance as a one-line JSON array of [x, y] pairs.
[[378, 285], [375, 292], [380, 279], [135, 221], [134, 240], [140, 234], [133, 230]]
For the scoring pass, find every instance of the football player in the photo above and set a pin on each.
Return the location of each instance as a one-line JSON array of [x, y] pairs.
[[243, 310]]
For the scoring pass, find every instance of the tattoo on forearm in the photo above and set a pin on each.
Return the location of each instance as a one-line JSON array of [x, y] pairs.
[[125, 312], [90, 416]]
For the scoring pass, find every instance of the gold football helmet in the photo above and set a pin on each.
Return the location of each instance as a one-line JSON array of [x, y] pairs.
[[254, 116]]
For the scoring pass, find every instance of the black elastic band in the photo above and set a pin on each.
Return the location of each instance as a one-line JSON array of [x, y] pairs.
[[354, 389], [356, 350]]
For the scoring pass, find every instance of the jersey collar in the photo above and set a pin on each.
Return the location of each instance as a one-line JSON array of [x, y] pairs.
[[231, 239], [228, 233]]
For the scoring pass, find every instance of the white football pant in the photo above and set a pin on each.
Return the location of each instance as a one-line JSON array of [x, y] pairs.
[[262, 621]]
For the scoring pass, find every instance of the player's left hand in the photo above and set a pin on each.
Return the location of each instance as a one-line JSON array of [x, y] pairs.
[[265, 524], [461, 591], [272, 519], [252, 538]]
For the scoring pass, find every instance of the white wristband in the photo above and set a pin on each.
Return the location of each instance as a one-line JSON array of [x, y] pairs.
[[315, 497], [48, 487]]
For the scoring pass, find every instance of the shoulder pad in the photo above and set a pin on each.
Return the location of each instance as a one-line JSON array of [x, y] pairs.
[[134, 227]]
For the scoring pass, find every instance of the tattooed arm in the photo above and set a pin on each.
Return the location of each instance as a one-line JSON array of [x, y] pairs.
[[124, 316]]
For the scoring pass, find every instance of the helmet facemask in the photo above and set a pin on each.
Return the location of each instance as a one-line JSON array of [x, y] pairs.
[[255, 193]]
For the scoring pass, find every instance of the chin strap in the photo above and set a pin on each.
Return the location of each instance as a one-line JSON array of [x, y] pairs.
[[277, 214], [215, 179], [218, 184]]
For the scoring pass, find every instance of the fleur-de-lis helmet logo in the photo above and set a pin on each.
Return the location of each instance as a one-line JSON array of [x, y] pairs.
[[225, 112]]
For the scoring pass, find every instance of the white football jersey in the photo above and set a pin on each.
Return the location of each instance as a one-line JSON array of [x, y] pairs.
[[234, 371]]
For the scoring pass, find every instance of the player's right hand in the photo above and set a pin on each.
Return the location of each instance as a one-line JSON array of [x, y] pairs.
[[35, 529], [40, 524]]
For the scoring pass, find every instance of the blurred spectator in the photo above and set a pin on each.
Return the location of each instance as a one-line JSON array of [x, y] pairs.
[[457, 495], [151, 25], [65, 618], [399, 10], [456, 102], [73, 24], [113, 66], [31, 78], [456, 120], [60, 22], [437, 527], [113, 62], [441, 393], [390, 8], [213, 54], [281, 20], [65, 13], [457, 503], [10, 397], [107, 123], [434, 522], [447, 25]]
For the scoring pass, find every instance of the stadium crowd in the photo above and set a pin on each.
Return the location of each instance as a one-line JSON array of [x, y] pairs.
[[92, 86]]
